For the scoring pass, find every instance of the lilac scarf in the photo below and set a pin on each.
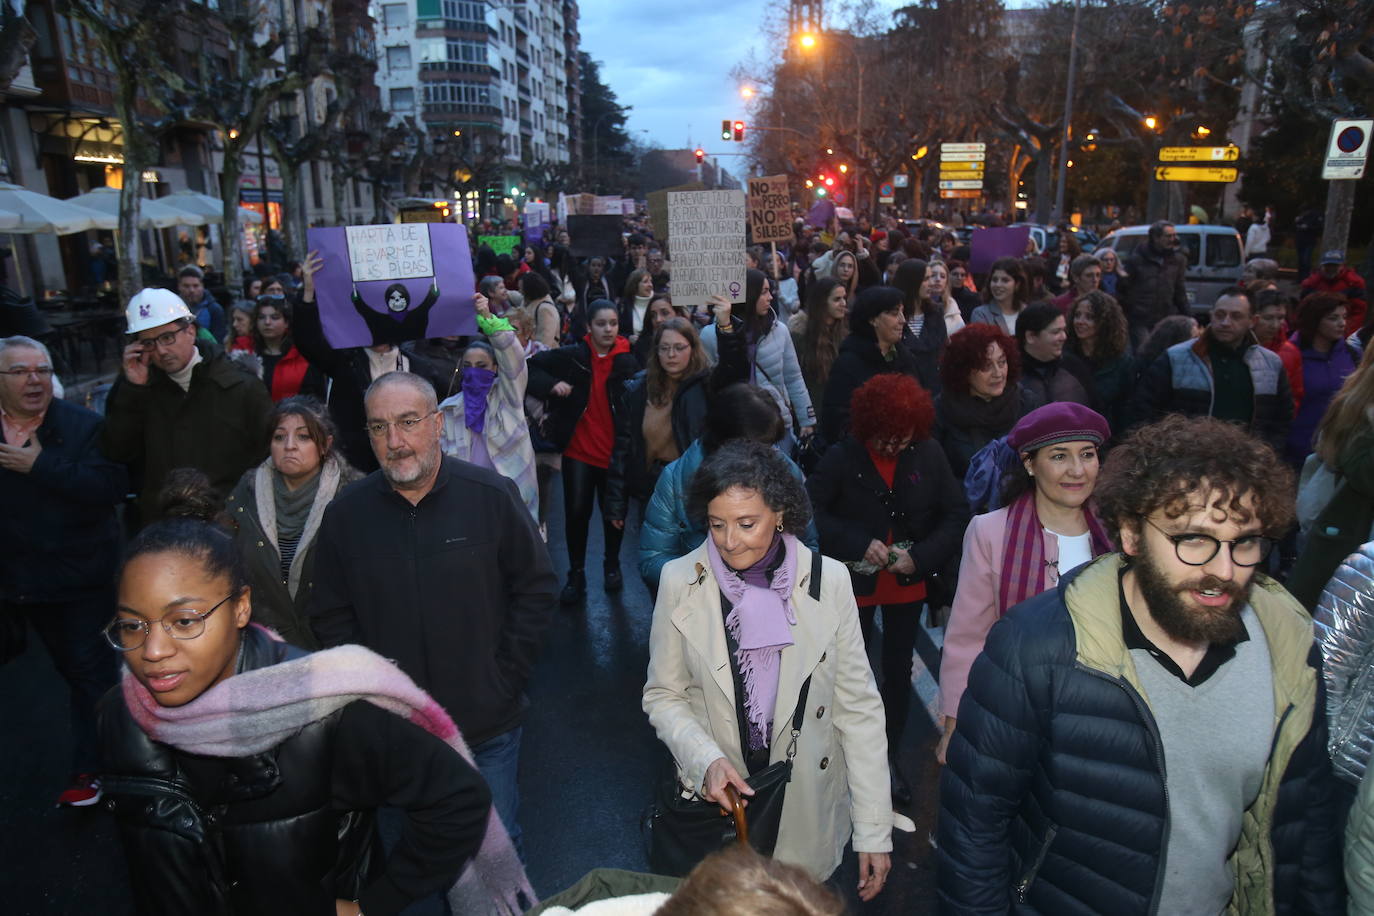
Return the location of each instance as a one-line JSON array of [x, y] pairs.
[[476, 383], [1023, 552], [760, 622], [257, 710]]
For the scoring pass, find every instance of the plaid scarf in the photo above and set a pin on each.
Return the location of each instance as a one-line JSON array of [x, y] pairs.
[[1024, 568], [255, 711]]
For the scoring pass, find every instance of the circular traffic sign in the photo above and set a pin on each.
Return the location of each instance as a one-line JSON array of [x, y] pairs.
[[1350, 139], [886, 189]]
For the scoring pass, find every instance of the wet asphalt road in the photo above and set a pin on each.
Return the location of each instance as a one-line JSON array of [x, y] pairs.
[[589, 763]]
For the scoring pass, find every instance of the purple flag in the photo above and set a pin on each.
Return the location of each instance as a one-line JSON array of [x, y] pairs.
[[819, 215], [987, 245]]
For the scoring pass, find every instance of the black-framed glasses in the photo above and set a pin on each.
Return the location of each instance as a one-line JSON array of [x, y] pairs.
[[1199, 549], [377, 429], [163, 340], [127, 634], [41, 372]]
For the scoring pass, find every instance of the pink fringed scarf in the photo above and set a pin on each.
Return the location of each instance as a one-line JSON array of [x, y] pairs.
[[255, 711], [1023, 551], [760, 621]]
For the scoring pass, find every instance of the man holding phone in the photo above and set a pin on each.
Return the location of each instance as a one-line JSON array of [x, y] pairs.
[[181, 403]]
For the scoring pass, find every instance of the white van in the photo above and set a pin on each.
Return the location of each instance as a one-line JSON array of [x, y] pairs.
[[1214, 258]]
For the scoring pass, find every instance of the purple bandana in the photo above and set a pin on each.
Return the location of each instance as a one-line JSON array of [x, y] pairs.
[[476, 383]]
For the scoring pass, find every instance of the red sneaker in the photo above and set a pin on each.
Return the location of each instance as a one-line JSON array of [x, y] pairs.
[[83, 792]]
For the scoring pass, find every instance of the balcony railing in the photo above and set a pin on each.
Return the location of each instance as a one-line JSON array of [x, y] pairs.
[[457, 66]]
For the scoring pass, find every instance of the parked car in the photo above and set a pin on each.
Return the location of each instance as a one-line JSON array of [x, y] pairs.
[[1214, 258], [1047, 237]]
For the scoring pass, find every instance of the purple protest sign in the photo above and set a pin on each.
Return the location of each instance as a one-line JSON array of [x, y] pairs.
[[987, 245], [393, 282]]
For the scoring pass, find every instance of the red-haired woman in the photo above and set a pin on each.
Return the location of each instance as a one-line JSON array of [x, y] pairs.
[[887, 505], [980, 399]]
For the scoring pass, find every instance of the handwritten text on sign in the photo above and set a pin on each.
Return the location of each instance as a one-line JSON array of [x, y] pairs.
[[707, 232], [390, 252], [770, 209]]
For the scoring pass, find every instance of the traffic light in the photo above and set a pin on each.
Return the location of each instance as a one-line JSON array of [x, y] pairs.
[[726, 131], [701, 156], [739, 130]]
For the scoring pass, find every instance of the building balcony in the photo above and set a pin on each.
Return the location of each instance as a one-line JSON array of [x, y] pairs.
[[436, 110], [525, 93], [455, 66], [526, 126]]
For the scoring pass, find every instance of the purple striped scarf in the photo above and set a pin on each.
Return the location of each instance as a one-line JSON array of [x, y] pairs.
[[257, 710], [1023, 551]]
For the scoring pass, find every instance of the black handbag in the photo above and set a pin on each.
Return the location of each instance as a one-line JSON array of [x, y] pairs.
[[684, 828]]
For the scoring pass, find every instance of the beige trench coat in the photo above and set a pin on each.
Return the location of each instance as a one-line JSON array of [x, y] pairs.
[[839, 778]]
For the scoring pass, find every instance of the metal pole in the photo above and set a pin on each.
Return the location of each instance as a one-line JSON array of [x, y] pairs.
[[1068, 117]]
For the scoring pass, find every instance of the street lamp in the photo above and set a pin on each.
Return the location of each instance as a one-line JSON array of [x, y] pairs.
[[1151, 122], [807, 40], [746, 92]]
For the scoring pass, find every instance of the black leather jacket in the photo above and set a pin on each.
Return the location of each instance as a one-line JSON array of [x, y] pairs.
[[290, 830]]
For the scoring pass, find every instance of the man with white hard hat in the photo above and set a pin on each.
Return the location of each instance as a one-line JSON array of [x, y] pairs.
[[181, 403]]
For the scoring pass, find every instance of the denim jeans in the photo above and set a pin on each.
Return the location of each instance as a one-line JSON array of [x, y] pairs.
[[498, 760]]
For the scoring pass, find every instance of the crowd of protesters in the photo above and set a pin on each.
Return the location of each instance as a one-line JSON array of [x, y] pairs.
[[335, 577]]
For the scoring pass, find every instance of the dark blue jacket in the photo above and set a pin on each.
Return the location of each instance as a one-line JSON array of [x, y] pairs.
[[1054, 797], [60, 537]]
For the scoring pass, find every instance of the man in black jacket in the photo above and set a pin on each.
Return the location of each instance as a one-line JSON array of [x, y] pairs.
[[61, 541], [437, 564], [1153, 287], [1150, 735]]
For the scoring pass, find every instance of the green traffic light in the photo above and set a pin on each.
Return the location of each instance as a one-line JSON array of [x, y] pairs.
[[820, 192]]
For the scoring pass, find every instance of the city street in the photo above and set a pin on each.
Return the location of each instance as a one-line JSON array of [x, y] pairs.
[[588, 765]]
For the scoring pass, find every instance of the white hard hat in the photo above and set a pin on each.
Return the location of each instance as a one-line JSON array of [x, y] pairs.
[[151, 308]]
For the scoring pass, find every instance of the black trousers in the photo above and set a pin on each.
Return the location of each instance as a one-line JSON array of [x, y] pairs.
[[899, 642], [583, 483], [72, 633]]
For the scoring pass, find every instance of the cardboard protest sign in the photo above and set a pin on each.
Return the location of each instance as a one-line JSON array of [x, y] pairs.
[[392, 283], [770, 209], [627, 206], [595, 236], [608, 206], [707, 229], [501, 244], [658, 207], [989, 244]]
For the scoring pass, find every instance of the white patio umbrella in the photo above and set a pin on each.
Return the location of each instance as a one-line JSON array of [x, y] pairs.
[[34, 213], [205, 208], [153, 214], [8, 219]]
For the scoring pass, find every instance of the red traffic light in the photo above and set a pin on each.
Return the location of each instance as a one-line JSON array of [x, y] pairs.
[[739, 130], [701, 155]]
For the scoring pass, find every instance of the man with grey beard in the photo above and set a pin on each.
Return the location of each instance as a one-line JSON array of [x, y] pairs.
[[1150, 736], [436, 564]]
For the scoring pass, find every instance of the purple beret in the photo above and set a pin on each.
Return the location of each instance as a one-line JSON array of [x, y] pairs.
[[1062, 421]]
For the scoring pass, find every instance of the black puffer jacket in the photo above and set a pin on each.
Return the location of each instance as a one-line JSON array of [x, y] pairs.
[[630, 474], [290, 830], [854, 506], [573, 364], [1054, 799]]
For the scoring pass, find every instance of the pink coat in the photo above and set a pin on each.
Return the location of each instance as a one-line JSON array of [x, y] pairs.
[[975, 602]]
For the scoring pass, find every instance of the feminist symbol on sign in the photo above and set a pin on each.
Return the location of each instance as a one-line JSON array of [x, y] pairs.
[[734, 289]]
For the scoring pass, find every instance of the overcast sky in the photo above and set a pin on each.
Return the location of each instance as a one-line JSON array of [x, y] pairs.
[[671, 63]]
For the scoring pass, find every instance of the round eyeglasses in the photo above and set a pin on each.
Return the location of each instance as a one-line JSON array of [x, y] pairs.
[[127, 634], [1199, 549]]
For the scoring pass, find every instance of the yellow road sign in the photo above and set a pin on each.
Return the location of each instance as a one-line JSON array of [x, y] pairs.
[[1195, 173], [960, 176], [1199, 154]]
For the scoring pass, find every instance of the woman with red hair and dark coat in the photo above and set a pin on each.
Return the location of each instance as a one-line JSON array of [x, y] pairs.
[[981, 399], [887, 506]]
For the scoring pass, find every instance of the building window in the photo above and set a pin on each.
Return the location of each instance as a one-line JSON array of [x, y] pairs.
[[398, 57], [395, 15], [403, 100], [463, 93]]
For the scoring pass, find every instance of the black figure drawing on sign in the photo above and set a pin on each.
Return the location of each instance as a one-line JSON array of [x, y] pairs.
[[399, 322]]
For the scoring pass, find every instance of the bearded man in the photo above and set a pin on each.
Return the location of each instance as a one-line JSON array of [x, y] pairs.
[[1150, 736]]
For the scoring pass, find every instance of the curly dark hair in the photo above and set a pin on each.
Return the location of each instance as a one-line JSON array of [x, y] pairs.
[[751, 466], [967, 352], [1311, 311], [1109, 343], [891, 405], [1163, 466]]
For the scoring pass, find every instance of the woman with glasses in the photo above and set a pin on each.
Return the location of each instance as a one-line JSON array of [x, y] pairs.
[[1045, 529], [888, 507], [581, 384], [245, 773], [276, 511], [663, 409], [484, 423]]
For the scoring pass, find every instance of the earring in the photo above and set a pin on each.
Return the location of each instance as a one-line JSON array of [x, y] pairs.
[[779, 529]]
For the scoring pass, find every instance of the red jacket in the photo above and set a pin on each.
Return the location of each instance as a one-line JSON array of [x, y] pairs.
[[1348, 284], [288, 374], [1292, 364]]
